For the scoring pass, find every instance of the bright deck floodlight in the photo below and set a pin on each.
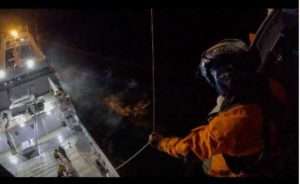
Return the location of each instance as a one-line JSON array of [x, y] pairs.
[[14, 33], [2, 74], [30, 63]]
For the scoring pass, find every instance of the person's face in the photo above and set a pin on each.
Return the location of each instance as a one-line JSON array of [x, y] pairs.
[[223, 78]]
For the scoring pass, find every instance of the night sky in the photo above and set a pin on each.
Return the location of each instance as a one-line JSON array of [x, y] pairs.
[[115, 44]]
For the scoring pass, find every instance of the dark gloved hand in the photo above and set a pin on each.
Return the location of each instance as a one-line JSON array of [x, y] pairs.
[[154, 139]]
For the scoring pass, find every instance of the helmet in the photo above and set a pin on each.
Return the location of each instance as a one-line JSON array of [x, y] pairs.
[[221, 64]]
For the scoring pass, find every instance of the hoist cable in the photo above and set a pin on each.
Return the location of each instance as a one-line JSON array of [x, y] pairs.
[[153, 93], [153, 70]]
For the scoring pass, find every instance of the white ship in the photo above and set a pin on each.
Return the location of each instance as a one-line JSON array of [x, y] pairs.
[[40, 132]]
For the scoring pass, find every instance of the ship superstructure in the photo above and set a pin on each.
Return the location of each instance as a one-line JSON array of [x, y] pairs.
[[40, 132]]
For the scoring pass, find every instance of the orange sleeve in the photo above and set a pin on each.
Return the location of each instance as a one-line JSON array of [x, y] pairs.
[[235, 132]]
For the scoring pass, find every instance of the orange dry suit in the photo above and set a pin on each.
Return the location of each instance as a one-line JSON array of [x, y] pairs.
[[235, 132]]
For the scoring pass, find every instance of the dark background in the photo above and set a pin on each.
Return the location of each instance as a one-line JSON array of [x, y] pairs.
[[108, 52]]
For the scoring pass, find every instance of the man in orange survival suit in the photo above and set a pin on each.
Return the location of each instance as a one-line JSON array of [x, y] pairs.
[[235, 141]]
